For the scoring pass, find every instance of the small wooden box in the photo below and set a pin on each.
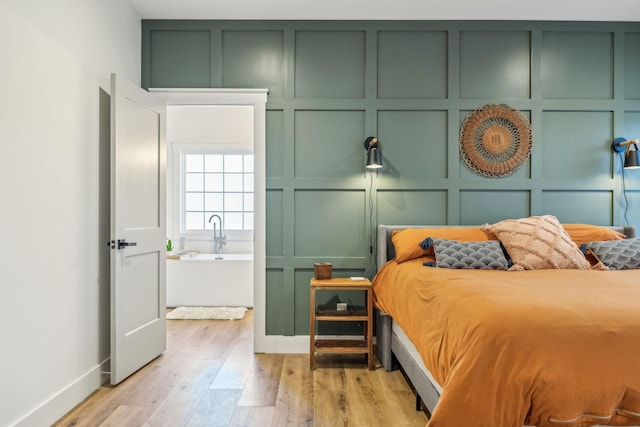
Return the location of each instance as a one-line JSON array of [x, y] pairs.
[[322, 270]]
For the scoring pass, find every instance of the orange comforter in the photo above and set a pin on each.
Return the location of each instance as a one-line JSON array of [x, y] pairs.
[[513, 348]]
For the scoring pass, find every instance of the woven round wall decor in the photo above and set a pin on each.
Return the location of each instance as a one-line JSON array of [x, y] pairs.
[[495, 140]]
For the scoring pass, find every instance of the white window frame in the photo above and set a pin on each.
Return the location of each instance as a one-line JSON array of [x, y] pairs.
[[179, 152]]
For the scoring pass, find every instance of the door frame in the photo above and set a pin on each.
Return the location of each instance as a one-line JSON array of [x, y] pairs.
[[257, 98]]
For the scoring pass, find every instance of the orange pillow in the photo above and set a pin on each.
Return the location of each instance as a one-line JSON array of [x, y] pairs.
[[407, 242], [583, 233]]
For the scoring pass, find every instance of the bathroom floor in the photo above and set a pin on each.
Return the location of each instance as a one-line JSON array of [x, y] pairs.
[[209, 376]]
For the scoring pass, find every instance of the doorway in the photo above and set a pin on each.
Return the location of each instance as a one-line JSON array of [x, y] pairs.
[[256, 99]]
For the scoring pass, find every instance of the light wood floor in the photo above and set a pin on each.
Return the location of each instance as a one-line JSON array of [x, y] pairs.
[[209, 376]]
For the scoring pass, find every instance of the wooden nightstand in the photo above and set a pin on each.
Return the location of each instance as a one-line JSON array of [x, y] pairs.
[[319, 345]]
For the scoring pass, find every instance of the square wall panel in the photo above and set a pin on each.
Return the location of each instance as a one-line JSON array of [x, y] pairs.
[[576, 144], [412, 207], [632, 131], [577, 65], [478, 207], [495, 64], [584, 207], [253, 59], [631, 184], [275, 143], [275, 303], [329, 223], [523, 172], [633, 207], [274, 229], [632, 125], [414, 143], [412, 64], [180, 58], [329, 64], [302, 294], [632, 66], [329, 144]]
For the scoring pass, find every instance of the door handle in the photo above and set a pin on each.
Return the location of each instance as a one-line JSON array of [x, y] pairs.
[[122, 243]]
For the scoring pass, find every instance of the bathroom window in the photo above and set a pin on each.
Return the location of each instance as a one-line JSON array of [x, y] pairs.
[[220, 184]]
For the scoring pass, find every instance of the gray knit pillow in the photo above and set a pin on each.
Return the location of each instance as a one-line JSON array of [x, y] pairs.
[[485, 255], [616, 254]]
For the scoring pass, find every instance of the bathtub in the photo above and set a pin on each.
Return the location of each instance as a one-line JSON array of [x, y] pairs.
[[210, 280]]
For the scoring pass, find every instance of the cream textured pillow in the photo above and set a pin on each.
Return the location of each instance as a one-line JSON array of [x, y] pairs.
[[538, 242]]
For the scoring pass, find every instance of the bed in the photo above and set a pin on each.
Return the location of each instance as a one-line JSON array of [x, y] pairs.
[[538, 352]]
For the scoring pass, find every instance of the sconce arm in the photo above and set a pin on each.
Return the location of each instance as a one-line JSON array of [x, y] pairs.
[[621, 144], [370, 142]]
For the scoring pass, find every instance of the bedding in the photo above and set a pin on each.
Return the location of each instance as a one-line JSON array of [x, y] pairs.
[[542, 347], [511, 348]]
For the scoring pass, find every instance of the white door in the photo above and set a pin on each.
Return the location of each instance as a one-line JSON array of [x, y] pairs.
[[138, 254]]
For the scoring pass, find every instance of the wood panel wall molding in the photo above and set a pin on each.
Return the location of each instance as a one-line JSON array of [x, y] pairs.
[[412, 83]]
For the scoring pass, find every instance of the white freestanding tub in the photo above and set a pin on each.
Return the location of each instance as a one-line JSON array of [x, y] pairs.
[[210, 280]]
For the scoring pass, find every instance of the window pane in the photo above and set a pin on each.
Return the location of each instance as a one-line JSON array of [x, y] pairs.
[[193, 202], [213, 201], [248, 221], [213, 163], [248, 202], [194, 220], [193, 182], [209, 225], [213, 182], [233, 182], [248, 163], [248, 182], [193, 163], [219, 184], [233, 202], [233, 221], [233, 163]]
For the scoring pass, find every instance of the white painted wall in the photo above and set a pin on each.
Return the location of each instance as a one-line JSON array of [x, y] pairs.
[[54, 57], [103, 34]]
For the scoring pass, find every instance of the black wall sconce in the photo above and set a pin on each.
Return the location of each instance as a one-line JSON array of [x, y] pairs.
[[630, 156], [374, 153]]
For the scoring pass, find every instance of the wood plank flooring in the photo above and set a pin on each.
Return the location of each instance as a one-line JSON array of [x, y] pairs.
[[210, 377]]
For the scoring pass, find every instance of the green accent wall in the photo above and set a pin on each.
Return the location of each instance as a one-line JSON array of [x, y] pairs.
[[411, 83]]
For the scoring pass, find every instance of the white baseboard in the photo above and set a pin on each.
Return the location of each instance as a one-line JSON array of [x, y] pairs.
[[66, 399], [69, 397]]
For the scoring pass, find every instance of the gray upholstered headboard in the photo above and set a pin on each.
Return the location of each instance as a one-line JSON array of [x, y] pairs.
[[386, 251]]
